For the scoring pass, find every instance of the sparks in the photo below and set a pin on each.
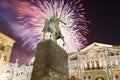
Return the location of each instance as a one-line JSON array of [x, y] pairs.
[[32, 14]]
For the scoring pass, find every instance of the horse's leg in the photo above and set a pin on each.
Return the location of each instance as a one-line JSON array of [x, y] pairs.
[[54, 38], [63, 41], [62, 37], [43, 36], [50, 36]]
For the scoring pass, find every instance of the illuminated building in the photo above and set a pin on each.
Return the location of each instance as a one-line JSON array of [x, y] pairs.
[[97, 61], [6, 45]]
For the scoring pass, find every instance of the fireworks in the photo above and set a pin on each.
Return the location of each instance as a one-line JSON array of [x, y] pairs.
[[32, 14]]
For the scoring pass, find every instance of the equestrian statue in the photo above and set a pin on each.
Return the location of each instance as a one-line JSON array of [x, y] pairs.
[[52, 26]]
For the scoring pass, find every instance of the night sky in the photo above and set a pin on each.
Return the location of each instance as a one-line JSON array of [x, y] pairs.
[[104, 16], [104, 27]]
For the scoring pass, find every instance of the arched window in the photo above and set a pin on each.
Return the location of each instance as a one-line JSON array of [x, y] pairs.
[[99, 78]]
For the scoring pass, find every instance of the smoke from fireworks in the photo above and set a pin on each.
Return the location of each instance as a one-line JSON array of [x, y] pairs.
[[32, 15]]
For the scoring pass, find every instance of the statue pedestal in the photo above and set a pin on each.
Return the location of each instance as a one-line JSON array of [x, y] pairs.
[[50, 61]]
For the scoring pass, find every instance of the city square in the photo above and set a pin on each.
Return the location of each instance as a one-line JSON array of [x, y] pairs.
[[59, 40]]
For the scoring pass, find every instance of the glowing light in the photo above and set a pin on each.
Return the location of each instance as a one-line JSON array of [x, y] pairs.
[[33, 13], [33, 59]]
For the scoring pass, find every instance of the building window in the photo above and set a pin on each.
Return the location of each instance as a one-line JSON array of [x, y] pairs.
[[5, 58], [2, 47]]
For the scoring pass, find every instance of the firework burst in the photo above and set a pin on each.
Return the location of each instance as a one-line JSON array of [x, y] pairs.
[[32, 15]]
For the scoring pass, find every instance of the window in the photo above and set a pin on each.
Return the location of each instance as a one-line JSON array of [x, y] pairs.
[[5, 58], [2, 47]]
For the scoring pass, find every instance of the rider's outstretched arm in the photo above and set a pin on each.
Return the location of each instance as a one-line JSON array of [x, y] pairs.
[[61, 21]]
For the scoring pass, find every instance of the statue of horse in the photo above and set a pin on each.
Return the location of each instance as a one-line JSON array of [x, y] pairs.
[[52, 26]]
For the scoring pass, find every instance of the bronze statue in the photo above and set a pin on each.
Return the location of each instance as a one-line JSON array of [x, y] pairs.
[[52, 26]]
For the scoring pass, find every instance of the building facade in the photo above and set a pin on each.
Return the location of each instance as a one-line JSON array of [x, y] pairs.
[[97, 61], [6, 45]]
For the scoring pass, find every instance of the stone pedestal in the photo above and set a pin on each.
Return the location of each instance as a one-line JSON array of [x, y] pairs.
[[49, 56]]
